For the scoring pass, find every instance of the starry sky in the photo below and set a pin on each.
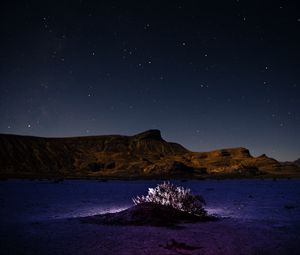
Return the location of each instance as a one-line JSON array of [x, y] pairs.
[[208, 74]]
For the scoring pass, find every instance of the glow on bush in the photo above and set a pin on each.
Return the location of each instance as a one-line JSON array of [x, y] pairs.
[[179, 198]]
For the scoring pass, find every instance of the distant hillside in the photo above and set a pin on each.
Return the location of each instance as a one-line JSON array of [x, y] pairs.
[[145, 155], [297, 162]]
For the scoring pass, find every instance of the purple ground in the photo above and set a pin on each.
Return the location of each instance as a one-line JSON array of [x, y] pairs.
[[39, 217]]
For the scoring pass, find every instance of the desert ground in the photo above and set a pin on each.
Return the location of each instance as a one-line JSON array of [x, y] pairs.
[[42, 217]]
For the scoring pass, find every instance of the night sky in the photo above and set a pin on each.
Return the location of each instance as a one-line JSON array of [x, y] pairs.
[[208, 74]]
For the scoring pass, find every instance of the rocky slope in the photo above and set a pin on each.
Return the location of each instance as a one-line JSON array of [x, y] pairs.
[[145, 155], [297, 162]]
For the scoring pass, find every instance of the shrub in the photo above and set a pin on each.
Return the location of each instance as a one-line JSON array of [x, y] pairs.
[[177, 197]]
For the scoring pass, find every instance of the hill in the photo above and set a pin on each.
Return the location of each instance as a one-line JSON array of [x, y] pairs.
[[145, 155]]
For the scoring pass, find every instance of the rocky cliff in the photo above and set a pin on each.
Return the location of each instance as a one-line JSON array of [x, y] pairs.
[[145, 155], [297, 162]]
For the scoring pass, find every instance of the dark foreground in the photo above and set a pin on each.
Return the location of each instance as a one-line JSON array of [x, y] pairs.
[[258, 217], [228, 236]]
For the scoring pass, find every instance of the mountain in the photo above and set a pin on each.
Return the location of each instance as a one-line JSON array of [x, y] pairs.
[[297, 162], [145, 155]]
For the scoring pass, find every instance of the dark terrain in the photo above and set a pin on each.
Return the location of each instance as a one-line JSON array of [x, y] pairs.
[[147, 214], [145, 155], [255, 216]]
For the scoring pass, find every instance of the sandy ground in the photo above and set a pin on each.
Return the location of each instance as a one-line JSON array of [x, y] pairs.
[[227, 236], [42, 218]]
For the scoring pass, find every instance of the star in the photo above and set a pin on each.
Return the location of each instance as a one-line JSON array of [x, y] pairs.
[[44, 85]]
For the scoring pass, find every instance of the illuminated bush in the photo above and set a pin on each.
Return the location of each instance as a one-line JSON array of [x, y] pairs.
[[177, 197]]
